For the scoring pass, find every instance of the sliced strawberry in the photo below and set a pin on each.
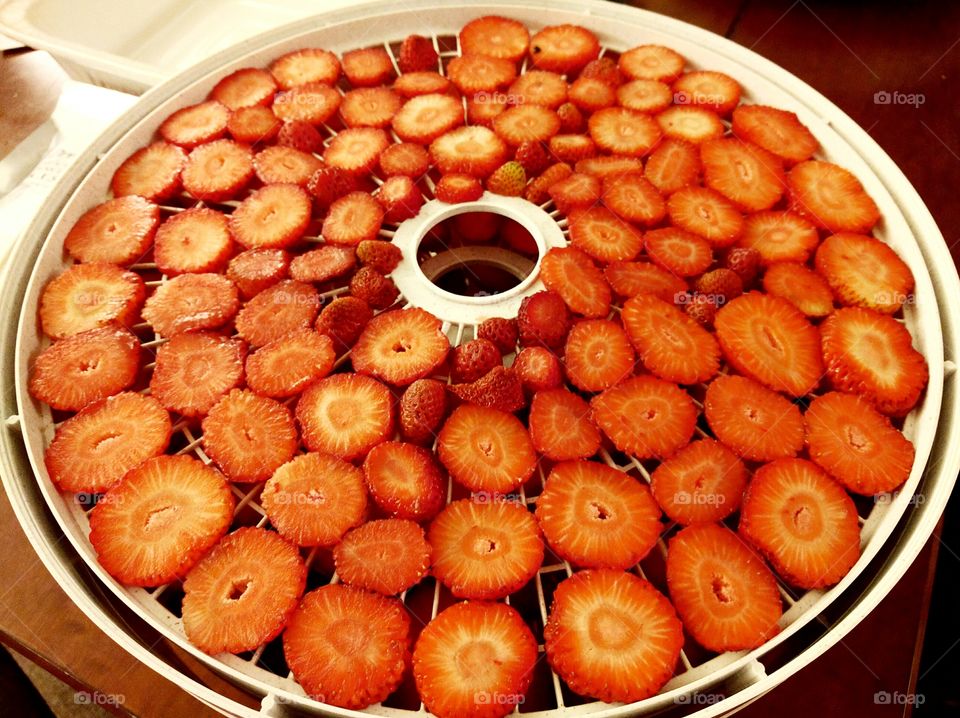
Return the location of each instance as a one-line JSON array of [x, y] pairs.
[[831, 197], [285, 165], [485, 549], [801, 286], [726, 596], [538, 369], [118, 231], [560, 426], [352, 219], [456, 188], [634, 199], [690, 123], [196, 124], [609, 166], [253, 125], [572, 148], [591, 94], [194, 240], [645, 416], [245, 87], [345, 415], [286, 366], [563, 48], [314, 499], [405, 159], [483, 108], [348, 647], [218, 170], [313, 103], [153, 526], [193, 371], [536, 191], [474, 151], [583, 191], [240, 595], [471, 360], [747, 175], [256, 269], [526, 123], [802, 521], [405, 480], [343, 320], [190, 302], [388, 556], [474, 649], [863, 271], [651, 62], [153, 172], [92, 450], [367, 67], [401, 346], [872, 354], [645, 95], [538, 87], [273, 217], [777, 131], [673, 165], [322, 264], [276, 311], [624, 132], [598, 354], [707, 213], [779, 236], [412, 84], [701, 483], [486, 450], [473, 74], [500, 388], [356, 150], [300, 135], [769, 340], [707, 89], [579, 282], [495, 36], [302, 67], [612, 636], [400, 198], [417, 54]]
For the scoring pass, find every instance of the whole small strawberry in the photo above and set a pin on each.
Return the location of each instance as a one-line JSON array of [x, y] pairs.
[[343, 320], [745, 261], [301, 136], [328, 184], [373, 288], [571, 119], [500, 388], [473, 359], [702, 308], [533, 156], [720, 285], [379, 254], [417, 55], [501, 331], [422, 408], [538, 368], [543, 319], [509, 179], [604, 69]]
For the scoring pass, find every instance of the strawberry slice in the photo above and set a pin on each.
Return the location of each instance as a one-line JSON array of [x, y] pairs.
[[669, 343], [560, 426], [673, 165], [475, 151], [348, 647], [776, 131], [598, 354], [218, 170], [405, 480], [273, 217], [595, 516], [572, 148], [401, 346], [591, 94], [633, 198], [690, 123], [651, 62], [768, 339], [300, 135], [405, 159], [624, 132], [85, 367], [831, 197], [538, 369], [286, 366], [681, 253], [612, 636], [343, 320], [87, 296], [802, 521], [240, 595], [495, 36], [92, 450], [456, 188], [645, 416], [245, 87], [256, 269], [118, 231], [388, 556], [312, 103], [872, 354], [609, 165], [486, 450], [367, 67], [747, 175], [572, 274], [651, 96], [538, 188], [485, 549], [565, 49], [757, 423], [196, 124], [302, 67], [526, 123], [470, 650], [193, 371], [370, 107], [248, 436], [865, 272], [538, 87], [314, 499], [356, 150], [706, 213], [285, 165], [322, 264], [153, 172], [707, 89], [701, 483], [194, 240], [857, 445], [345, 415], [801, 286], [253, 125], [276, 311], [190, 302], [401, 199], [779, 237], [601, 233], [412, 84], [153, 526], [628, 279], [726, 596], [581, 191], [352, 219], [473, 74]]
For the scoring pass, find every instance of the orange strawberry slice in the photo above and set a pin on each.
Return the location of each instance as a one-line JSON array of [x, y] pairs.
[[405, 480], [356, 150], [624, 132], [256, 269], [218, 170], [576, 191], [673, 165], [190, 302], [118, 231], [560, 426], [539, 87], [401, 346], [571, 273], [495, 36], [602, 234], [801, 286], [475, 151], [747, 175], [273, 217], [651, 62], [472, 74], [300, 67], [779, 236], [287, 366], [777, 131], [388, 556], [831, 197], [679, 252], [424, 118], [280, 164], [194, 370], [153, 172], [707, 213], [628, 279], [322, 264], [690, 123], [195, 240], [707, 89], [633, 198], [87, 296], [563, 48], [196, 124], [354, 218], [865, 272], [367, 67], [598, 354], [644, 95], [246, 87], [314, 103], [281, 308]]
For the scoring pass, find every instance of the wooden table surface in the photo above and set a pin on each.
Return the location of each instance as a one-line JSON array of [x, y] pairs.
[[849, 52]]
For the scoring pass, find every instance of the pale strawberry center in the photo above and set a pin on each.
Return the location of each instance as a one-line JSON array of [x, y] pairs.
[[477, 660], [348, 636], [802, 519], [238, 588], [160, 519], [612, 630], [722, 589]]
